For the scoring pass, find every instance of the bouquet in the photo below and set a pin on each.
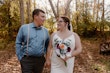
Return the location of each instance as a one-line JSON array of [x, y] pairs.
[[63, 49]]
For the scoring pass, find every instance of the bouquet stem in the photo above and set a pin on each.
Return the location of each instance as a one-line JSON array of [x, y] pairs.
[[65, 63]]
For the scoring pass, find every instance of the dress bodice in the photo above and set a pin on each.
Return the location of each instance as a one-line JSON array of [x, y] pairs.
[[70, 41], [63, 46]]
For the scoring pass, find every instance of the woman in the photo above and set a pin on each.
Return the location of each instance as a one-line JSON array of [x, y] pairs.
[[64, 45]]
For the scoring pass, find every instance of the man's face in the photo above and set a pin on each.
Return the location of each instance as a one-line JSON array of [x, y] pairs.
[[40, 18]]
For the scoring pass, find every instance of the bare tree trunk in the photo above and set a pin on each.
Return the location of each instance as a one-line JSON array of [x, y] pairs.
[[58, 8], [9, 21], [97, 11], [53, 9], [34, 4], [56, 13], [103, 15], [77, 24], [21, 11], [67, 7], [102, 18], [94, 9], [97, 14], [29, 10], [83, 6]]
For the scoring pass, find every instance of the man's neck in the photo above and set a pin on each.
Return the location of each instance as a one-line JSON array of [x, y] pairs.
[[36, 24]]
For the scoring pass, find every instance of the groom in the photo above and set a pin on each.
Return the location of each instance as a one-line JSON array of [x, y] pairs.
[[35, 39]]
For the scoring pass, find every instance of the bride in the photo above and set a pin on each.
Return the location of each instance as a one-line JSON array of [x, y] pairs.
[[64, 45]]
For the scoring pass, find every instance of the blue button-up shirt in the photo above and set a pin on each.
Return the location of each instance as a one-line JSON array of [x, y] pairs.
[[38, 41]]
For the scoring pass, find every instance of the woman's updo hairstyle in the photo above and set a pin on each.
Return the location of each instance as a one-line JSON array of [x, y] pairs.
[[66, 20]]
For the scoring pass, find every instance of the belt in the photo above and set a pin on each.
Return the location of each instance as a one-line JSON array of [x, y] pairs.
[[33, 56]]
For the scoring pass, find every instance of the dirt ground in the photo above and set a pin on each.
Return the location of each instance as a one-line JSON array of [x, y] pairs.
[[89, 61]]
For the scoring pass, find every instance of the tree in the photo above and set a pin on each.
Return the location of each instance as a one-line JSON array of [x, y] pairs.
[[102, 18], [1, 2], [97, 11], [53, 9], [67, 7], [58, 8], [34, 4], [28, 11], [77, 15], [94, 8], [21, 11], [56, 13], [9, 18]]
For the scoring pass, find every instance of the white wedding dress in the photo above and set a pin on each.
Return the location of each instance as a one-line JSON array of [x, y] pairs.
[[57, 64]]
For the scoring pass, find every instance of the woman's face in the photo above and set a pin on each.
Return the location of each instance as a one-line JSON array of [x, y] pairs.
[[61, 24]]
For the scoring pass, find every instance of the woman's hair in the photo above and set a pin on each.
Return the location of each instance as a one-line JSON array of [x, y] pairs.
[[66, 20]]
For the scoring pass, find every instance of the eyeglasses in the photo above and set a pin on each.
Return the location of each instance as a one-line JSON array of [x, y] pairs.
[[60, 21]]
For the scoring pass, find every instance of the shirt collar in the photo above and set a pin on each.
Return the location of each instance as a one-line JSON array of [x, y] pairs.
[[33, 26]]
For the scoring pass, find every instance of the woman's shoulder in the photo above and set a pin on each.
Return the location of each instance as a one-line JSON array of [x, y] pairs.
[[75, 34], [53, 33]]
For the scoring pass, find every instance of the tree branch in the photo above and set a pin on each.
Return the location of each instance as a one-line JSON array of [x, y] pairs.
[[53, 9], [67, 7]]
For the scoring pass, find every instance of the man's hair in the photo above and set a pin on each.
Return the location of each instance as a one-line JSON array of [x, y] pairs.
[[36, 12]]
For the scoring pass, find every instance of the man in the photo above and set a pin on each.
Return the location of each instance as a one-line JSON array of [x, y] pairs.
[[31, 44]]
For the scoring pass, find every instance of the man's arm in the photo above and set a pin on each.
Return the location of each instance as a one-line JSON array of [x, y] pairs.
[[47, 41], [19, 40]]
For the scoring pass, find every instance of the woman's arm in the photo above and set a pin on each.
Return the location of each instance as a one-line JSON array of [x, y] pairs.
[[49, 52], [78, 47]]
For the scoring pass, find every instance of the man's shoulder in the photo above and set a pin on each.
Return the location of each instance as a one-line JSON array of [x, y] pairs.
[[26, 25], [44, 28]]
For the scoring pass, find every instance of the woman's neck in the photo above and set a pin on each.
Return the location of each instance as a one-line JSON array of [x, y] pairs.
[[63, 30]]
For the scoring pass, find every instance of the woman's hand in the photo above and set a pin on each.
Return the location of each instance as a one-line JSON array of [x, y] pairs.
[[66, 58], [48, 63]]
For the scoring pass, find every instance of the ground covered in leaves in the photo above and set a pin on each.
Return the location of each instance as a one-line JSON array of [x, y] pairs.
[[89, 61]]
